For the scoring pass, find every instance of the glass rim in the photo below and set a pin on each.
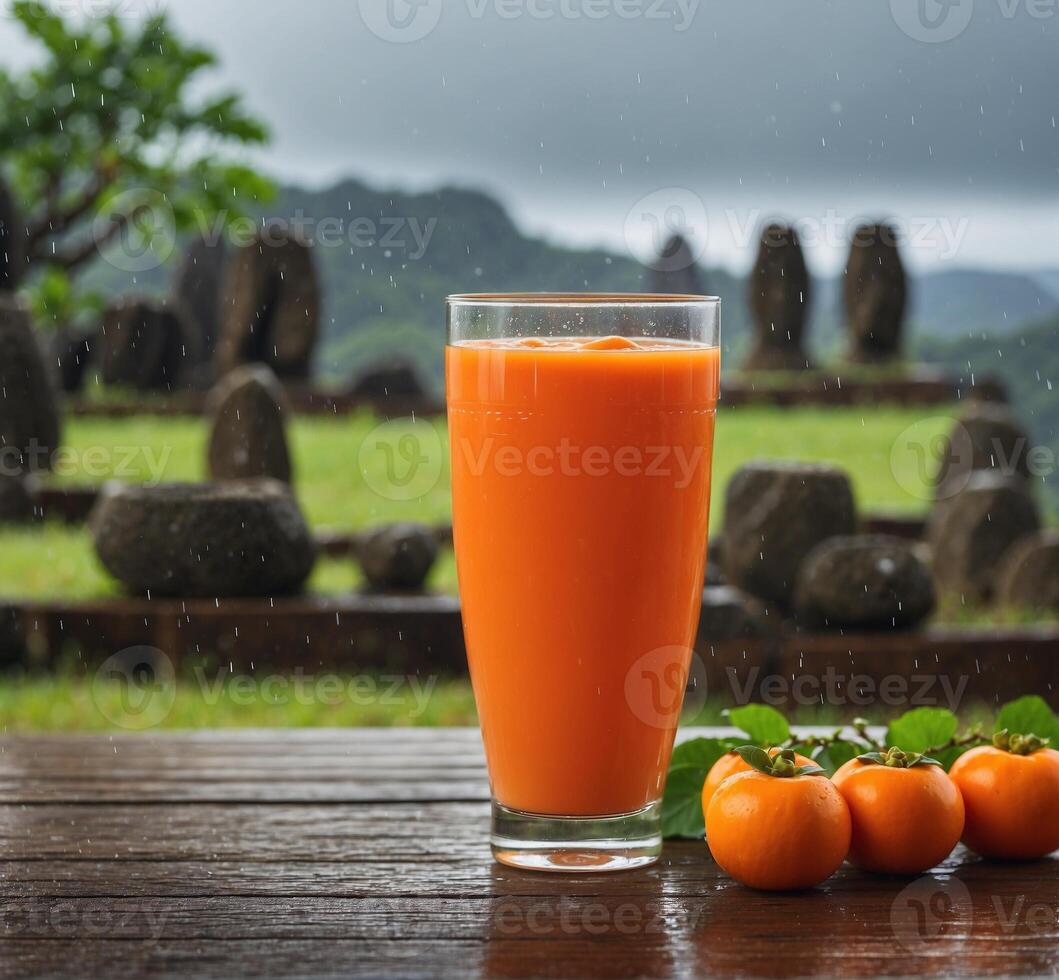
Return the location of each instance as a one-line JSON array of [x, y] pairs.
[[581, 299]]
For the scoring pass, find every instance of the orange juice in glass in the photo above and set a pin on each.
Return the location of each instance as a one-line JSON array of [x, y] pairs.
[[581, 437]]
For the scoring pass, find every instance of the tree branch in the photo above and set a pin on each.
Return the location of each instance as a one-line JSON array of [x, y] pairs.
[[70, 258], [53, 223]]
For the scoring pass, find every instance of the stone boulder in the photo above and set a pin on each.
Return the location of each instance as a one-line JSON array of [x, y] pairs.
[[397, 556], [396, 378], [12, 640], [874, 294], [12, 242], [71, 352], [226, 539], [1029, 574], [774, 514], [970, 533], [715, 560], [728, 614], [863, 582], [778, 288], [30, 427], [17, 499], [196, 290], [675, 269], [986, 436], [145, 344], [270, 306], [247, 409]]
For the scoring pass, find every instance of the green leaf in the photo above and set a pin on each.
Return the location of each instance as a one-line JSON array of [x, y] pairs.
[[701, 752], [682, 800], [1029, 715], [897, 758], [922, 729], [946, 757], [765, 725], [835, 755], [682, 803], [755, 756]]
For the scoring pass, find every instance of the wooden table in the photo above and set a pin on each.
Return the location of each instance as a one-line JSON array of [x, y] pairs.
[[363, 853]]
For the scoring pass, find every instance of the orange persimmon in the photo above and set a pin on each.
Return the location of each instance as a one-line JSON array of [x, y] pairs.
[[1011, 792], [780, 826], [907, 813], [728, 765]]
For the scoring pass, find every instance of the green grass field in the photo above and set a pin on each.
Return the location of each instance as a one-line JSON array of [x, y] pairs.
[[352, 472]]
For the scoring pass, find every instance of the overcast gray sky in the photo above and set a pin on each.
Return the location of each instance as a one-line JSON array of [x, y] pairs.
[[571, 111]]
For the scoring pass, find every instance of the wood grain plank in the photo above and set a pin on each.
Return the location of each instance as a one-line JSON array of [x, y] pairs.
[[338, 886]]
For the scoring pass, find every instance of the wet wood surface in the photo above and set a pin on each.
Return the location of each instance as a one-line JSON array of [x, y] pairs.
[[364, 853]]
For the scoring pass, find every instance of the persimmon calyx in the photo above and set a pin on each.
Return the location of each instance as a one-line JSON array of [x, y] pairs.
[[897, 758], [1018, 744], [783, 764]]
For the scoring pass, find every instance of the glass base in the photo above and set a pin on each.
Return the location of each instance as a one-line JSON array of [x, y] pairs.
[[576, 844]]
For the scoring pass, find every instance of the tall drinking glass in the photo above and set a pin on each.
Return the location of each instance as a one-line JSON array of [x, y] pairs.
[[581, 436]]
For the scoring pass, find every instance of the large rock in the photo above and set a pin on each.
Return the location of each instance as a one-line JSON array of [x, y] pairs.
[[29, 408], [986, 436], [197, 290], [396, 378], [875, 294], [247, 438], [397, 556], [675, 269], [12, 639], [970, 533], [1029, 574], [71, 352], [12, 242], [774, 514], [864, 582], [270, 306], [17, 499], [145, 344], [728, 614], [778, 288], [227, 539], [715, 560]]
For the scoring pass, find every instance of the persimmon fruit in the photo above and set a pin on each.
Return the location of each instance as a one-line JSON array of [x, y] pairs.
[[1011, 792], [779, 827], [907, 813], [728, 765]]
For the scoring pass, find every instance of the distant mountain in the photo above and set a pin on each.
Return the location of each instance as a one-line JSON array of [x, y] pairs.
[[388, 259], [1049, 279], [953, 303]]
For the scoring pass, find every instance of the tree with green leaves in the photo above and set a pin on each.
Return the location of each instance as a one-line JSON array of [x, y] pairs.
[[102, 143]]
